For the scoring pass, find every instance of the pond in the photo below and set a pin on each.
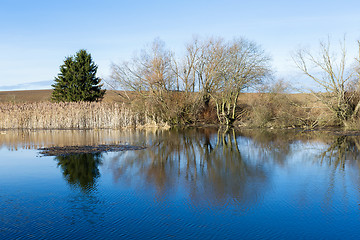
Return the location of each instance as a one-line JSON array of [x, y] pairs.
[[186, 184]]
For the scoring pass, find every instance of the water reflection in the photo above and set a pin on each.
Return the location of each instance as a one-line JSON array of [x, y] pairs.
[[271, 145], [208, 161], [341, 149], [80, 170], [194, 183], [204, 163], [34, 139], [342, 156]]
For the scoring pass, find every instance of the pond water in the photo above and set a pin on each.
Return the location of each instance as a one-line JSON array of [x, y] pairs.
[[187, 184]]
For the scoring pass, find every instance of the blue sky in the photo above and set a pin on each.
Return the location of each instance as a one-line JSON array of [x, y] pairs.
[[36, 36]]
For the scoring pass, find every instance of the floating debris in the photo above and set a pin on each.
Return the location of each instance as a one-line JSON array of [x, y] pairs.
[[67, 150]]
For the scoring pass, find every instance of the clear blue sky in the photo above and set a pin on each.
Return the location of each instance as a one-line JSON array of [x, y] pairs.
[[36, 36]]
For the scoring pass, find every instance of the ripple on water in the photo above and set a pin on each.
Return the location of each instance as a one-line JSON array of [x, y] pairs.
[[148, 200]]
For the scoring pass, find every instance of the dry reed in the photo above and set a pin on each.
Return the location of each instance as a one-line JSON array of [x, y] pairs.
[[73, 115]]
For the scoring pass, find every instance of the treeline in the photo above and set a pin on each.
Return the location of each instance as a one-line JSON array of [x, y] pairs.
[[208, 80]]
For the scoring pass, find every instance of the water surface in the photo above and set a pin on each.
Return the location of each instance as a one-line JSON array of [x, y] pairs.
[[195, 183]]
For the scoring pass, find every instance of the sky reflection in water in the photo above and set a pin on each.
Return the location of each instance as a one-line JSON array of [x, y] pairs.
[[200, 183]]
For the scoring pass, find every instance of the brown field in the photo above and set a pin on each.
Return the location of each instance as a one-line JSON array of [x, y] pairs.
[[25, 96], [33, 96]]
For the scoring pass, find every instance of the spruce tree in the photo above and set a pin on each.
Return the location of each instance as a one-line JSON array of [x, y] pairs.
[[77, 80]]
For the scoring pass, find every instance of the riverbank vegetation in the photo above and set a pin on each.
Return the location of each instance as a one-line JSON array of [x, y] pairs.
[[72, 115], [338, 79], [271, 109], [215, 82], [205, 85]]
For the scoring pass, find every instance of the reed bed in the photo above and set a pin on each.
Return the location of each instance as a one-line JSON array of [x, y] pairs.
[[73, 115]]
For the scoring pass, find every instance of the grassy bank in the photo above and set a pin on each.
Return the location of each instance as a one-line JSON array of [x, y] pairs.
[[33, 110]]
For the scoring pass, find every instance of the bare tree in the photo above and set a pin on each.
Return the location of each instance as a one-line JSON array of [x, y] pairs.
[[332, 73], [217, 69], [185, 69], [221, 70], [148, 76], [148, 73], [208, 67], [245, 64]]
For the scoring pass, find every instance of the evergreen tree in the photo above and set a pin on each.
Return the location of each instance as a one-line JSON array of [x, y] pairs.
[[77, 80]]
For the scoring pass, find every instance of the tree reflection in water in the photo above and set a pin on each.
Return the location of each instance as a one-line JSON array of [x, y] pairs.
[[80, 170], [343, 157], [341, 149], [270, 145], [204, 164], [216, 166]]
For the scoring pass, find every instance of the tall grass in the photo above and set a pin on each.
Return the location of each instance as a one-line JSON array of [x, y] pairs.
[[74, 115]]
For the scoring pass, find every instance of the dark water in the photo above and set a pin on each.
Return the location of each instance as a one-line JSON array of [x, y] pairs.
[[193, 184]]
